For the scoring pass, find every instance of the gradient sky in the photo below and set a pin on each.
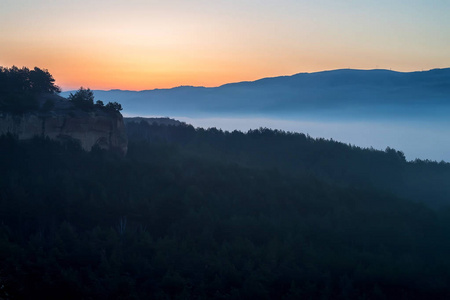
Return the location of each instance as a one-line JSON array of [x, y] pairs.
[[139, 45]]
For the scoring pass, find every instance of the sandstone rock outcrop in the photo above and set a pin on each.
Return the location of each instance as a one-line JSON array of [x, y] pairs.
[[97, 127]]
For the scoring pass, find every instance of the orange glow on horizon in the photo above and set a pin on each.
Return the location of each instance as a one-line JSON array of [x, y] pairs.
[[142, 45], [104, 72], [109, 65], [113, 63]]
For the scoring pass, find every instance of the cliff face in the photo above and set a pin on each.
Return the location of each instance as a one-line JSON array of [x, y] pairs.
[[98, 127]]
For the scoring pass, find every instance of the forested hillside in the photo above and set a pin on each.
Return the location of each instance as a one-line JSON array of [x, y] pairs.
[[301, 156], [180, 220]]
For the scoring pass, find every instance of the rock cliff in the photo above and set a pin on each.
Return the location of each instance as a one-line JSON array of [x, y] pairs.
[[62, 121]]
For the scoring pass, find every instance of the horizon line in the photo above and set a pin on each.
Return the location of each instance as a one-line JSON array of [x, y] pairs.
[[262, 78]]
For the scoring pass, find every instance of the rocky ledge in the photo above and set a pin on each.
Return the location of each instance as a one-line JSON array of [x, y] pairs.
[[62, 121]]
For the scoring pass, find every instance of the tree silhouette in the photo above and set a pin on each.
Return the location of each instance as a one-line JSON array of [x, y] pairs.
[[42, 81], [83, 98], [114, 106], [25, 80], [20, 88]]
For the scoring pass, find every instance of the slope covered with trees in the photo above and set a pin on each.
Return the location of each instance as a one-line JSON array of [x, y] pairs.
[[301, 156], [167, 223]]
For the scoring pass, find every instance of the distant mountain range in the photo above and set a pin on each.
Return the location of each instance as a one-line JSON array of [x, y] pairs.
[[329, 94]]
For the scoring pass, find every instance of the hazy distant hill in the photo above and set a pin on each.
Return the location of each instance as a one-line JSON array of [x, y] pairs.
[[150, 121], [337, 93]]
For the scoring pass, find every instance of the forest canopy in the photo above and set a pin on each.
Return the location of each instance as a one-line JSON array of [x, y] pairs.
[[166, 223]]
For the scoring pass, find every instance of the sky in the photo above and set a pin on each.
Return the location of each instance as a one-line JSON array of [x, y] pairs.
[[138, 45]]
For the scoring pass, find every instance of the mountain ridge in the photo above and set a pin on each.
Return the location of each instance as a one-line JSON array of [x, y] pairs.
[[343, 92], [447, 69]]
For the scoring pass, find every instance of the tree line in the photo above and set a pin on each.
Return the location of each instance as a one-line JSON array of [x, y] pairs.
[[300, 155]]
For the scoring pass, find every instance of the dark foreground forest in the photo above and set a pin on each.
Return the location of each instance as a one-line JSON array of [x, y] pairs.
[[204, 214]]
